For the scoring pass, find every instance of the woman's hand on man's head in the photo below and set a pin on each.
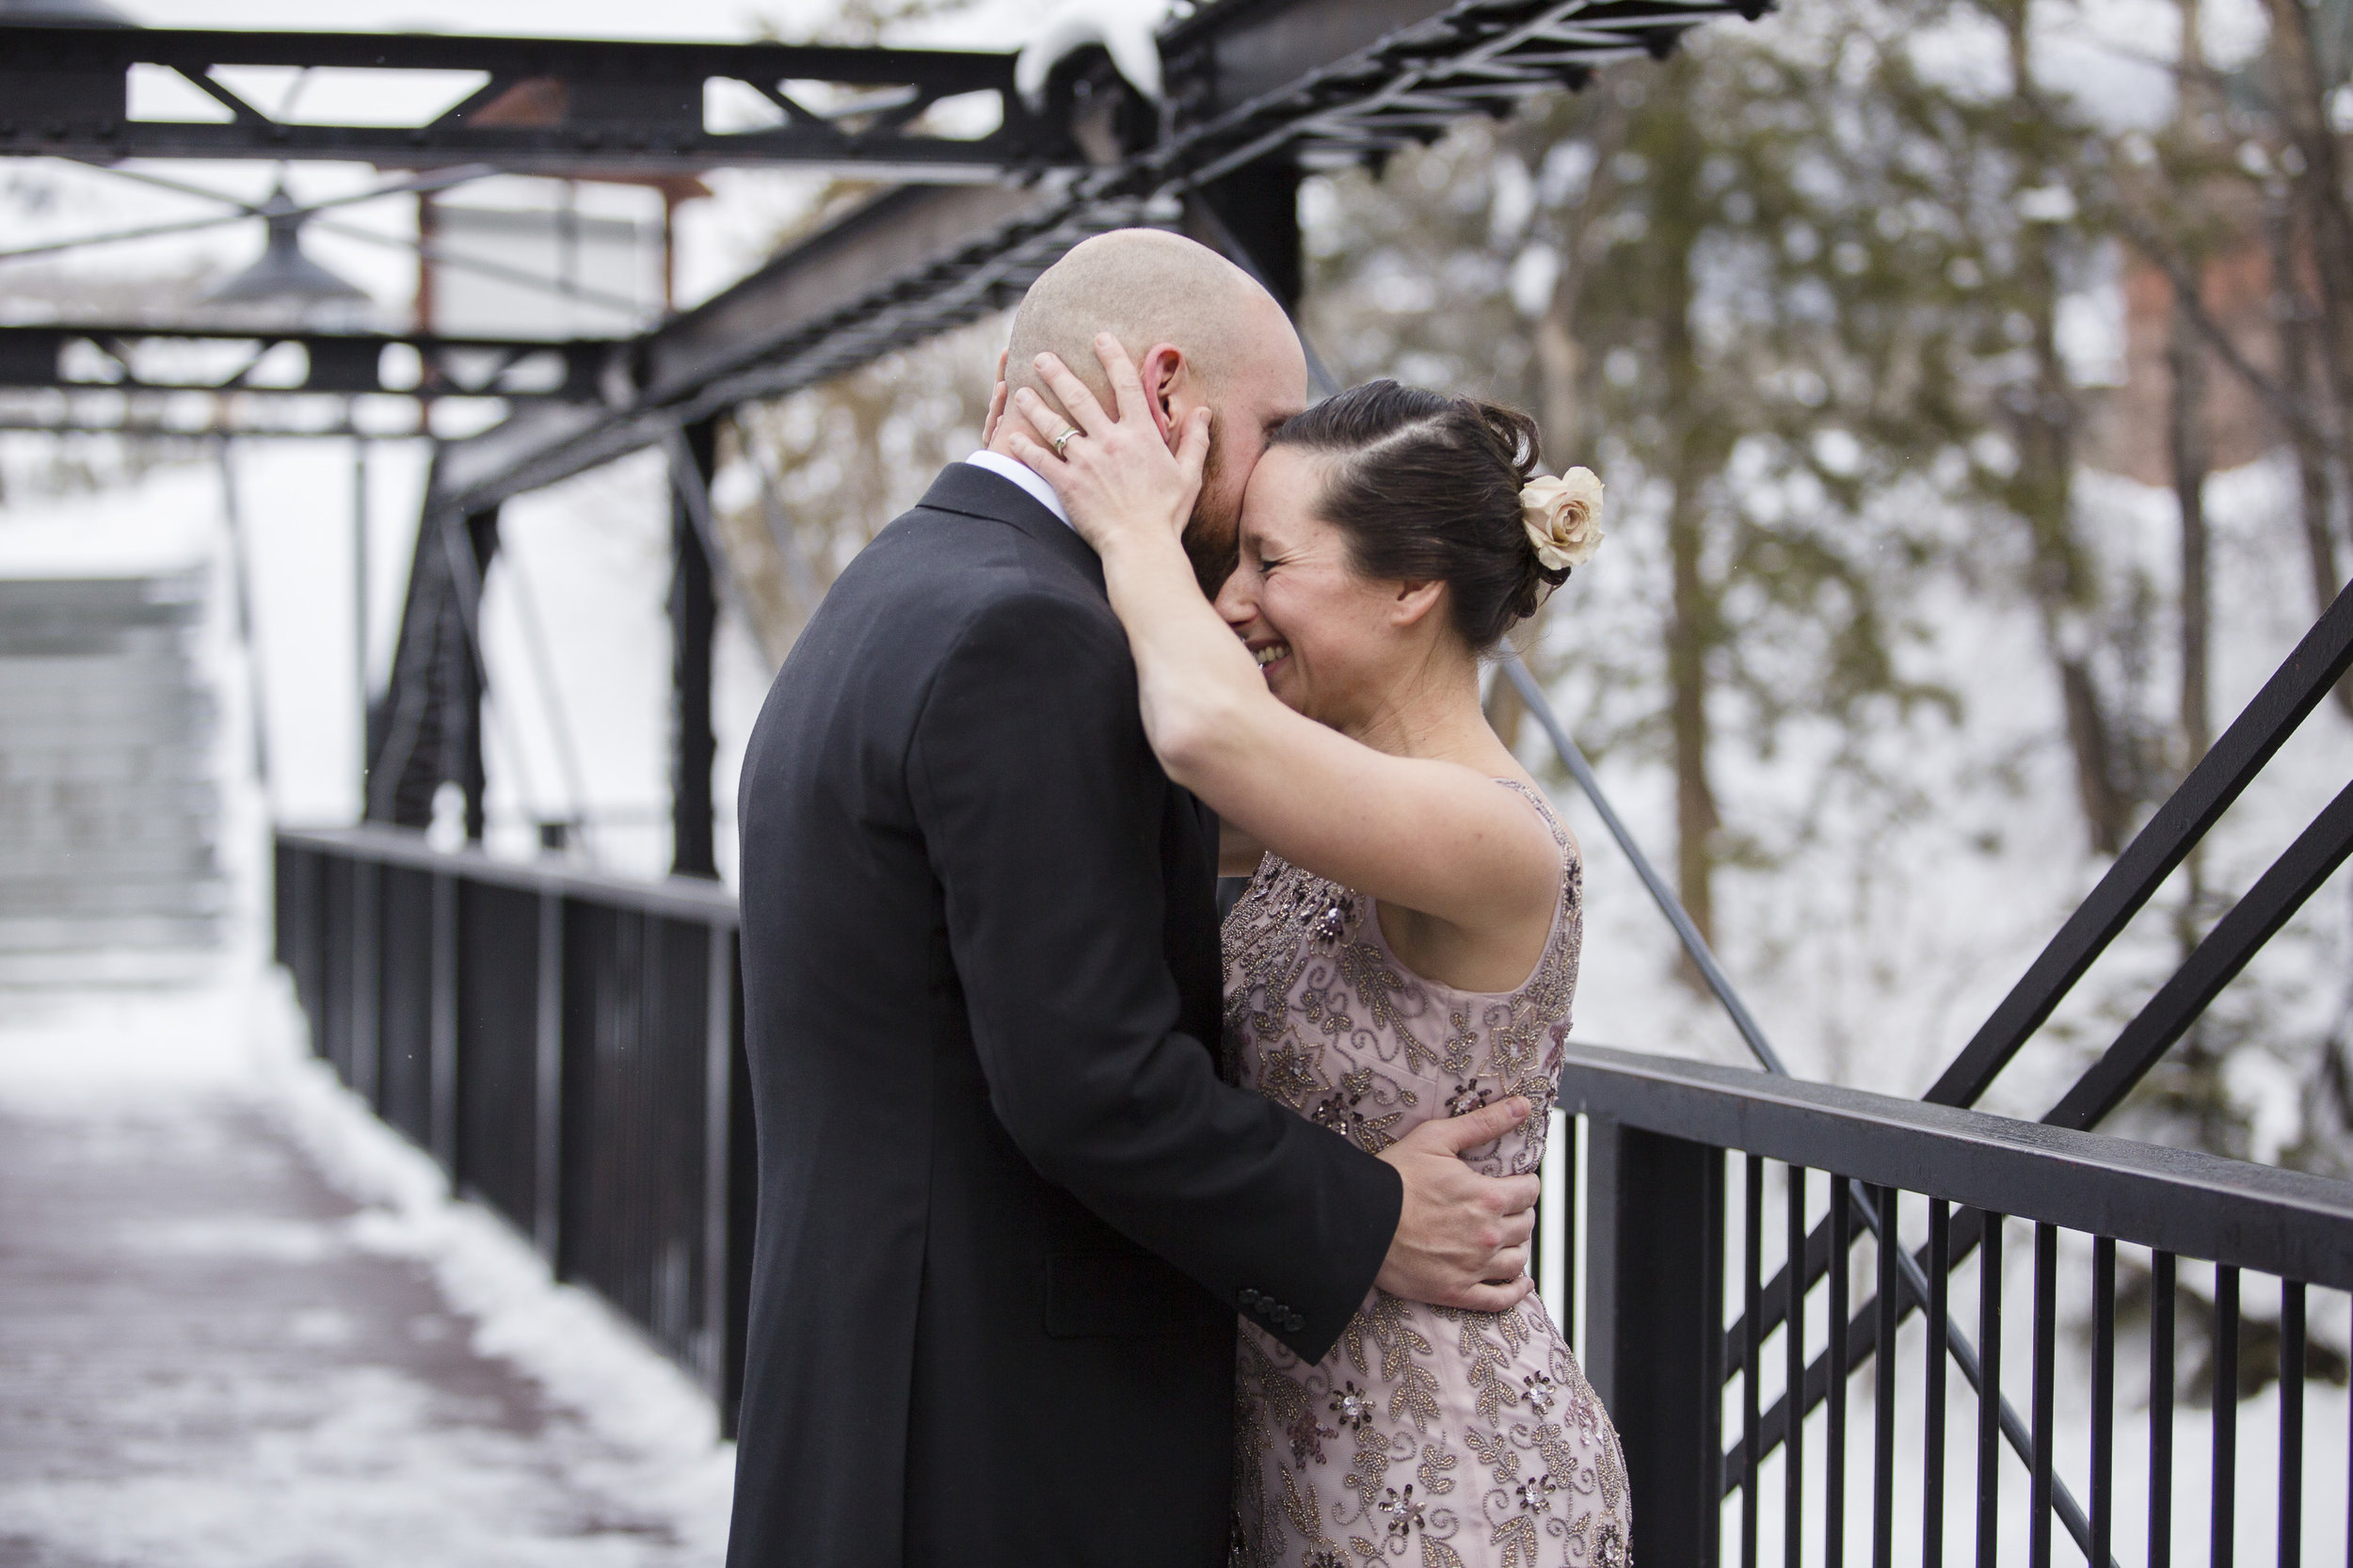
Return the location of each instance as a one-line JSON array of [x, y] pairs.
[[1116, 473]]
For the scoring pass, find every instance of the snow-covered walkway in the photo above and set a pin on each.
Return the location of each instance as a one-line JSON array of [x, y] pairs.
[[241, 1325]]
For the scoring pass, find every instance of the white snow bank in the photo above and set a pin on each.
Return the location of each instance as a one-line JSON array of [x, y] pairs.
[[165, 524], [589, 1360]]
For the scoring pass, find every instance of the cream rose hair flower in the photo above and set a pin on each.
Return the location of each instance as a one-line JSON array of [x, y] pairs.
[[1563, 517]]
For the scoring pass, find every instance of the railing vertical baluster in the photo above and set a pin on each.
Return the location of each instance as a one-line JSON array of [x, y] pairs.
[[367, 928], [1989, 1390], [1884, 1386], [2290, 1423], [1793, 1400], [547, 1153], [1834, 1456], [2102, 1396], [2225, 1533], [1933, 1463], [2161, 1410], [719, 991], [2045, 1335], [1753, 1312], [1568, 1231], [442, 1034], [1655, 1329]]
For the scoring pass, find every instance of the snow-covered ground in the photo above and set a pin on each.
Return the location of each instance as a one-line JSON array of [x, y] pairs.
[[389, 1378]]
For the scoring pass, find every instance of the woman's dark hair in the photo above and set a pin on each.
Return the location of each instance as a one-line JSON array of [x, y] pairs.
[[1426, 487]]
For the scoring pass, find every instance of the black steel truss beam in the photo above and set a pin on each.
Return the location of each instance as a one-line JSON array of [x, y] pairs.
[[2293, 691], [1309, 81], [810, 314], [694, 610], [547, 105], [1332, 85], [136, 359], [426, 728], [2278, 894]]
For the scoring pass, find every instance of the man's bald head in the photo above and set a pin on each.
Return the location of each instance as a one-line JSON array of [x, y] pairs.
[[1146, 286], [1201, 331]]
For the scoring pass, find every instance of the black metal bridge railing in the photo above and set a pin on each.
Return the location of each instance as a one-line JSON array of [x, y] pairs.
[[568, 1046], [1669, 1260]]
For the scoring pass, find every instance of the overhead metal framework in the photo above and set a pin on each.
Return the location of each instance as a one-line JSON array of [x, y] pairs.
[[561, 107], [1257, 91]]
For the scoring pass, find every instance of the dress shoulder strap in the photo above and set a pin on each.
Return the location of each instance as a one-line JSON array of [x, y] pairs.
[[1543, 810]]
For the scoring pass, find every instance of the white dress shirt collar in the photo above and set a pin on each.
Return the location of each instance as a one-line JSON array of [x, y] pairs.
[[1021, 474]]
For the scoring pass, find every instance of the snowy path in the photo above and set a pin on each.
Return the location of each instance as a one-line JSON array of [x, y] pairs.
[[240, 1327]]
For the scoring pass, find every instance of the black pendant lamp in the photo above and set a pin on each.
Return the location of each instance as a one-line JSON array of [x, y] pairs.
[[284, 281]]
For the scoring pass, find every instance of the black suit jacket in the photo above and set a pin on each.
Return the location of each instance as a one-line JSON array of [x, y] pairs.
[[1007, 1209]]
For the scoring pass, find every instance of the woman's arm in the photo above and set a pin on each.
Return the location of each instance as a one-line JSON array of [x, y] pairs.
[[1428, 836]]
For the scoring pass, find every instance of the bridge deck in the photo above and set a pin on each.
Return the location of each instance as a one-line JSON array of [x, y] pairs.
[[211, 1353]]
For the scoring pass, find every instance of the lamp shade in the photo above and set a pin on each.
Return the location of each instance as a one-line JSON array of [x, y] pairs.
[[284, 281]]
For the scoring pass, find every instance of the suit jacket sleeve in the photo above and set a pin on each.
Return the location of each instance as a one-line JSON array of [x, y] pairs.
[[1040, 804]]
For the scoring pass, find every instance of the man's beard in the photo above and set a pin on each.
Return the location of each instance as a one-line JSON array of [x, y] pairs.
[[1212, 544]]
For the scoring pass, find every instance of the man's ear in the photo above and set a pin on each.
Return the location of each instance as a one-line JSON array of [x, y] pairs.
[[1163, 371], [1415, 600]]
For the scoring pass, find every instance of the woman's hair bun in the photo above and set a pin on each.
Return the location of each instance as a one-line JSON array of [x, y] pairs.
[[1427, 486]]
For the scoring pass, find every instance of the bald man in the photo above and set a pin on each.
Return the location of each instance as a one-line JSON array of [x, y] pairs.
[[1007, 1208]]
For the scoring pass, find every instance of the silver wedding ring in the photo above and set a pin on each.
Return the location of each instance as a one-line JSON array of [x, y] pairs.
[[1065, 440]]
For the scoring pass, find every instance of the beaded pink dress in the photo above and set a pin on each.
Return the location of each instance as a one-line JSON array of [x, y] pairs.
[[1429, 1436]]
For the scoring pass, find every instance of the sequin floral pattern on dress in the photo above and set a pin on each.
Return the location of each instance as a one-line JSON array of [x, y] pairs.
[[1429, 1436]]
